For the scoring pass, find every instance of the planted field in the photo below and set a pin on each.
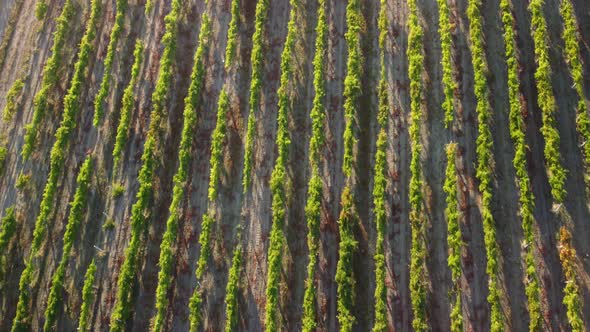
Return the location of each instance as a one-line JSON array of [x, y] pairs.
[[286, 165]]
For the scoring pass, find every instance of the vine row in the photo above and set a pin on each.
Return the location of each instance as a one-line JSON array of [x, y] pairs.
[[348, 217], [315, 186], [418, 252], [191, 103], [454, 239], [50, 78], [255, 88], [380, 182], [572, 55], [526, 196], [87, 297], [141, 208], [105, 84], [279, 177], [57, 161], [484, 147], [127, 107], [546, 101], [77, 207]]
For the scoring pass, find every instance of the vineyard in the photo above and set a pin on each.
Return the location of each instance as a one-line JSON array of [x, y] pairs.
[[294, 165]]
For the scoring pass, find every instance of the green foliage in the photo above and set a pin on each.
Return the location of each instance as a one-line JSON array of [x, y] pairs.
[[231, 291], [314, 194], [149, 7], [99, 101], [346, 248], [192, 101], [380, 185], [140, 210], [571, 293], [313, 215], [8, 228], [87, 297], [279, 178], [77, 207], [11, 99], [526, 198], [23, 180], [379, 197], [444, 29], [352, 82], [118, 190], [572, 55], [109, 224], [546, 101], [418, 252], [127, 107], [3, 155], [348, 217], [50, 77], [41, 9], [218, 137], [232, 34], [256, 60], [454, 239], [57, 161], [484, 144], [233, 282]]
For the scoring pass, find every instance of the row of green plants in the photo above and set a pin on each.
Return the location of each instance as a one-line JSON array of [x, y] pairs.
[[191, 104], [526, 196], [140, 210], [347, 246], [87, 297], [105, 84], [8, 228], [12, 103], [127, 107], [546, 101], [418, 282], [41, 9], [380, 184], [50, 77], [232, 34], [76, 216], [571, 51], [571, 293], [484, 145], [313, 207], [257, 64], [219, 134], [446, 41], [262, 6], [9, 225], [3, 157], [348, 218], [572, 297], [209, 217], [57, 162], [454, 239], [279, 177]]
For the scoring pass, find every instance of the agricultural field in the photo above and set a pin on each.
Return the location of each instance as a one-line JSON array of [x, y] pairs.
[[294, 165]]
